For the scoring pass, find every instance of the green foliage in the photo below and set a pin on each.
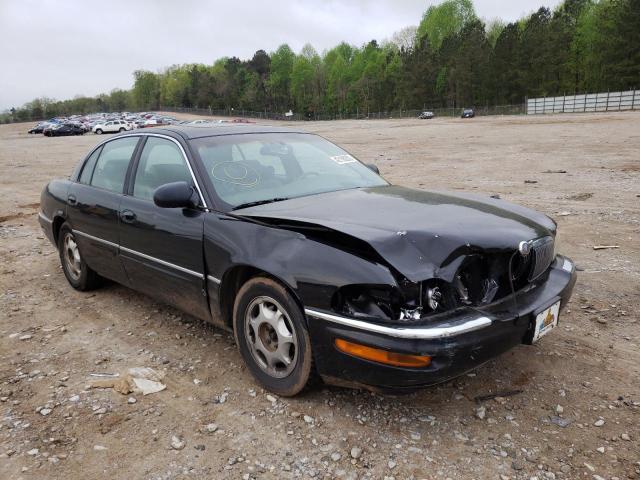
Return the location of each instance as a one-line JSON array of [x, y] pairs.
[[607, 45], [444, 20], [494, 29], [146, 90], [452, 59]]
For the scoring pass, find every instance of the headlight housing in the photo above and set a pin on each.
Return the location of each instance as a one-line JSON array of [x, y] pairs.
[[480, 279]]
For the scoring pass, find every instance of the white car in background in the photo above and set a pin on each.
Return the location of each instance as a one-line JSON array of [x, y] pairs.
[[112, 126]]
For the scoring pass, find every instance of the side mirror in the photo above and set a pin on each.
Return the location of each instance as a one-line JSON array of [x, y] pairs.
[[175, 195], [374, 167]]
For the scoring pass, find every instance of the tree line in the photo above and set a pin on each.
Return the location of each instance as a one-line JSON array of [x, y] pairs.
[[451, 59]]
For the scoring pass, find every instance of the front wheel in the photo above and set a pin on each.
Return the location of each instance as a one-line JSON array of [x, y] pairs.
[[121, 129], [78, 273], [271, 336], [99, 131]]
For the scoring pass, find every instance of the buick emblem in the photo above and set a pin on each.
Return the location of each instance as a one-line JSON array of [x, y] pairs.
[[524, 248]]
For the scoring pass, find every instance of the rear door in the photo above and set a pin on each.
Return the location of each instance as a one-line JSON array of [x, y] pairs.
[[161, 248], [94, 202]]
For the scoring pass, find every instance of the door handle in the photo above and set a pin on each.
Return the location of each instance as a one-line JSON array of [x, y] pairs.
[[127, 216], [71, 200]]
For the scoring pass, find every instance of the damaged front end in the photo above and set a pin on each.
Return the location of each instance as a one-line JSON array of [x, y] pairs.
[[474, 279]]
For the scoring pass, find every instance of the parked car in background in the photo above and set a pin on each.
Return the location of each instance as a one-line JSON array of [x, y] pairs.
[[63, 130], [112, 126], [318, 265], [426, 115], [39, 128], [468, 113]]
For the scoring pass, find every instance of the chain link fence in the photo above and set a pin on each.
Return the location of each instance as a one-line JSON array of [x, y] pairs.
[[518, 109]]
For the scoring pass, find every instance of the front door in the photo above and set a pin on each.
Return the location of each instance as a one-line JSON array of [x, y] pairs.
[[161, 248]]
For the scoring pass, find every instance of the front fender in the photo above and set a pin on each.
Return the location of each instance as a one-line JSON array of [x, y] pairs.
[[311, 269]]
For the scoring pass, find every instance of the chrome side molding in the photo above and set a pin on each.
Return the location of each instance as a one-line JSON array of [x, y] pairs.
[[139, 254], [161, 262], [96, 239]]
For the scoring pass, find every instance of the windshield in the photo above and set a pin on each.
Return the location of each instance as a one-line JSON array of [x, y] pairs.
[[263, 167]]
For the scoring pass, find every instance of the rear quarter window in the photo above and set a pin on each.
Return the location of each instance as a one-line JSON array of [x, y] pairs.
[[89, 165]]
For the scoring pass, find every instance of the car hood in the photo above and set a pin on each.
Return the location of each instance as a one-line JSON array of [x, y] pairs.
[[422, 234]]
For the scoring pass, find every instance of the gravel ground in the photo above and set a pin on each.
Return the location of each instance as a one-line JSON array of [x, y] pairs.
[[566, 408]]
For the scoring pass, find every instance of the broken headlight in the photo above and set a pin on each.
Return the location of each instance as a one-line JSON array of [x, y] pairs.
[[411, 302], [368, 301]]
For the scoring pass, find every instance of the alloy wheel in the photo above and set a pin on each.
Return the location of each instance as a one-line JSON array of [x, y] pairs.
[[71, 256], [271, 339]]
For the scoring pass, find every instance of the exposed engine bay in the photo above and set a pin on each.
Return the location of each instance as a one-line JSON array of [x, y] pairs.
[[480, 280]]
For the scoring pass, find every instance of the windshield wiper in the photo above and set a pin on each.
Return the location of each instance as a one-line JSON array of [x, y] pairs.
[[259, 202]]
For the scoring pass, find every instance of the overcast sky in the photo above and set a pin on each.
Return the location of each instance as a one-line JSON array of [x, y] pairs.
[[60, 49]]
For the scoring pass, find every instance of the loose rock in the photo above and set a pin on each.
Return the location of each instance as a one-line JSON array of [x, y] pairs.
[[356, 452], [177, 443]]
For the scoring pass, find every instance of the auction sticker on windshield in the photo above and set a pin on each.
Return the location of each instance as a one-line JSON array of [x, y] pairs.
[[546, 321], [342, 159]]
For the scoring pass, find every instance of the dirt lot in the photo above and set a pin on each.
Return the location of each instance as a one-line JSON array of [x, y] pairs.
[[577, 416]]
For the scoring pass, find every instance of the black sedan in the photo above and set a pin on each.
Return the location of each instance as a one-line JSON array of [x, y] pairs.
[[64, 130], [39, 128], [320, 267]]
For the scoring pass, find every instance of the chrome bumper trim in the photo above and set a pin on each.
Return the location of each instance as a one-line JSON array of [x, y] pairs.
[[416, 333]]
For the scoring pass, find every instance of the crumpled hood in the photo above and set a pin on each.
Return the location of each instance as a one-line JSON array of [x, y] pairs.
[[422, 234]]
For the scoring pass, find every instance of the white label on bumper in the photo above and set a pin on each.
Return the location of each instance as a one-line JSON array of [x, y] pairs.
[[546, 321], [567, 265]]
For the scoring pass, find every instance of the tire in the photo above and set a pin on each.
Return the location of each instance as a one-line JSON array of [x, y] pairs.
[[260, 295], [121, 129], [78, 273], [99, 131]]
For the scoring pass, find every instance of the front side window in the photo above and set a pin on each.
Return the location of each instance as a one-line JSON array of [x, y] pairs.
[[259, 167], [112, 164], [161, 162]]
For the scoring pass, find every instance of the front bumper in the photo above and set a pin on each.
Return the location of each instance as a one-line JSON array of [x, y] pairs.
[[458, 344]]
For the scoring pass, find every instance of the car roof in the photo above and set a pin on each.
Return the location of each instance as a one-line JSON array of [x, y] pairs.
[[190, 132]]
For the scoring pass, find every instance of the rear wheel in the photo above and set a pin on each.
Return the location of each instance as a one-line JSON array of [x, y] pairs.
[[99, 131], [78, 273], [121, 129], [271, 336]]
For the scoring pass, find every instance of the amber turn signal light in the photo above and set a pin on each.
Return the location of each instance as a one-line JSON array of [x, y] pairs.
[[382, 356]]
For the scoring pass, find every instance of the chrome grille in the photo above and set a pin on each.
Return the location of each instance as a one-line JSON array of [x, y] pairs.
[[542, 251]]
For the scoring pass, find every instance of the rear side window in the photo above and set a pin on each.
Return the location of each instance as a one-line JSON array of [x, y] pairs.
[[112, 164], [89, 165], [161, 162]]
